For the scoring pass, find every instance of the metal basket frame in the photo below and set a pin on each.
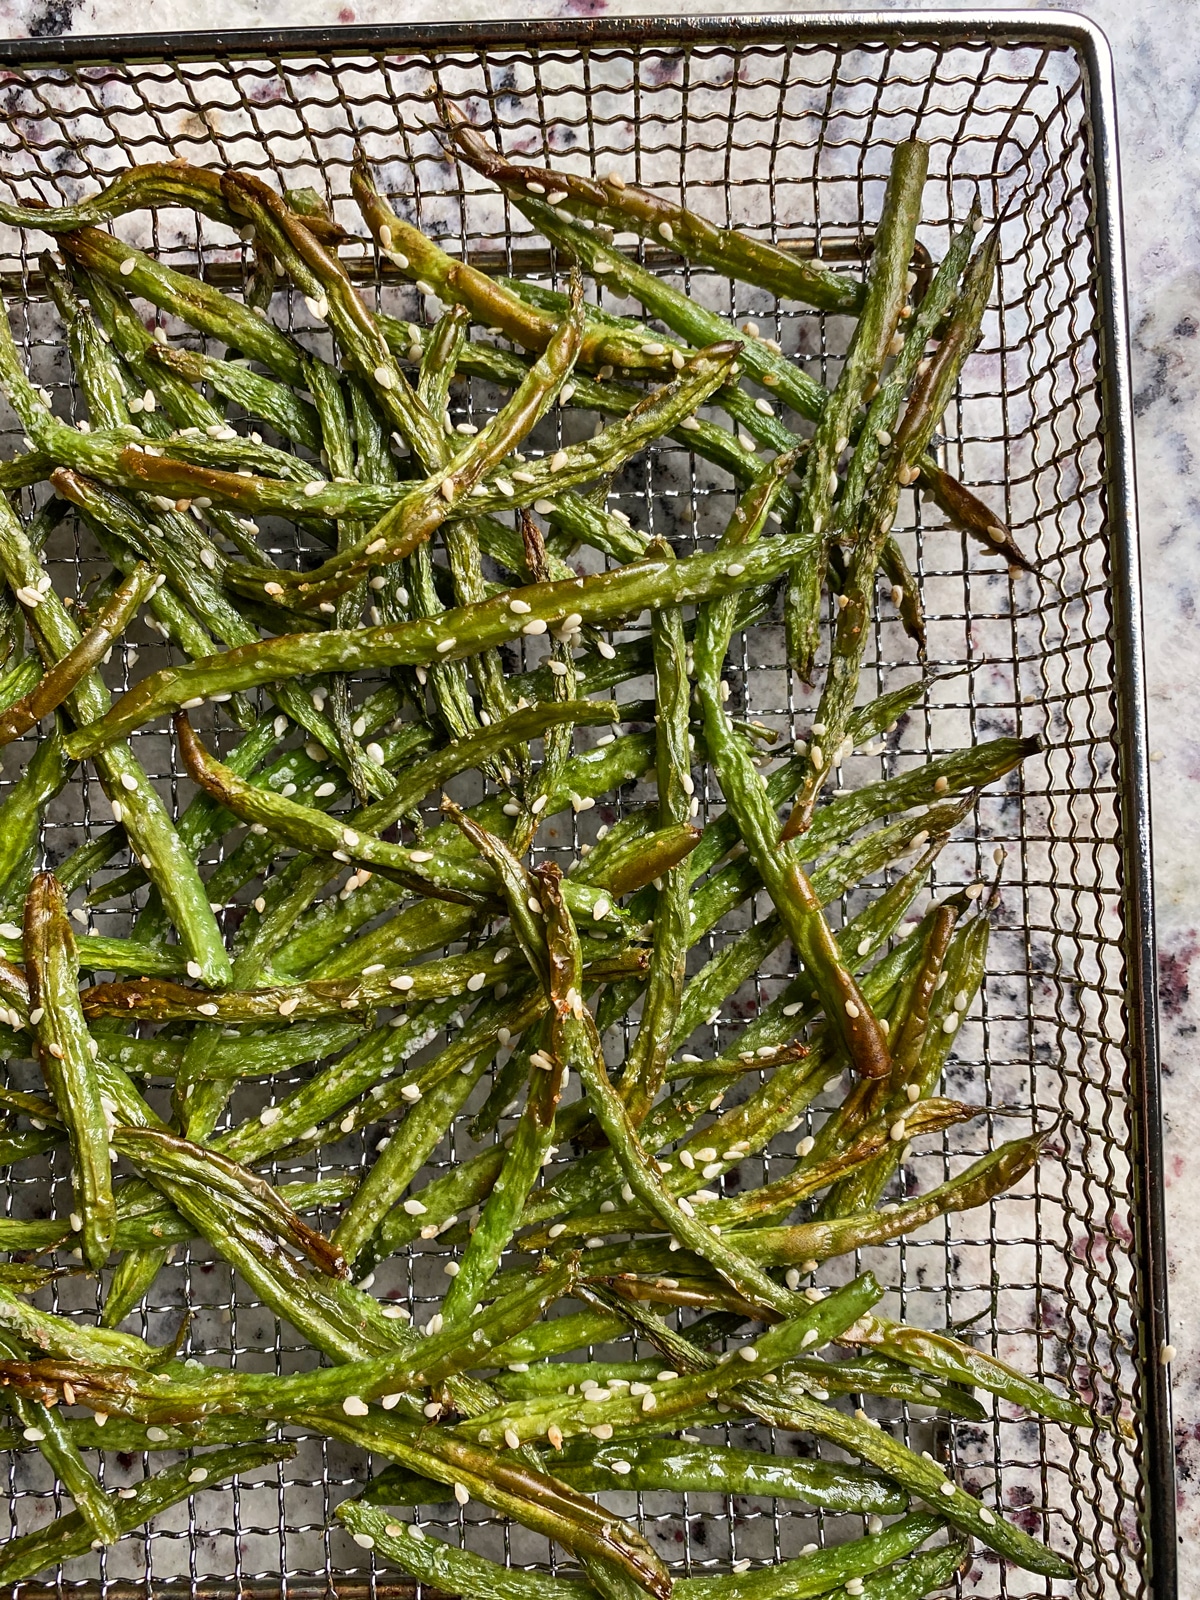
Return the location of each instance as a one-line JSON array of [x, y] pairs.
[[1140, 1559]]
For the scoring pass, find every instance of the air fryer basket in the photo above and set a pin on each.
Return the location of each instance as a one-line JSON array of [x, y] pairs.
[[783, 126]]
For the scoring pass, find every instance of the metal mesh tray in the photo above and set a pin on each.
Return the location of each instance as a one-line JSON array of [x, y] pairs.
[[783, 126]]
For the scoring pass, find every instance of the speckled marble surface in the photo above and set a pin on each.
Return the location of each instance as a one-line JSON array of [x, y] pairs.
[[1158, 81]]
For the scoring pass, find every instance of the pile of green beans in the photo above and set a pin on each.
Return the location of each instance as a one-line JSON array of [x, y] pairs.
[[393, 970]]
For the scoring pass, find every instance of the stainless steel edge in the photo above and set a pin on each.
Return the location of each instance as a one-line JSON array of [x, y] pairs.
[[1060, 26], [1158, 1462]]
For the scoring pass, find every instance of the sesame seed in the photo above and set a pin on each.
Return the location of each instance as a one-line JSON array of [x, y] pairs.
[[947, 1488], [851, 1009], [512, 1438], [987, 1517], [127, 266], [535, 626], [445, 645]]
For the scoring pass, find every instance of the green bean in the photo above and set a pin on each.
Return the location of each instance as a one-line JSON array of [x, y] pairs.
[[779, 1197], [823, 1240], [617, 204], [53, 1436], [921, 1477], [443, 877], [514, 1489], [886, 290], [457, 282], [736, 403], [602, 598], [323, 943], [677, 1397], [123, 1434], [70, 1536], [324, 1096], [97, 953], [194, 302], [42, 777], [876, 1375], [730, 967], [930, 397], [963, 974], [148, 186], [158, 1000], [965, 510], [991, 1175], [647, 1059], [501, 1213], [777, 862], [578, 1044], [66, 1056], [678, 1465], [18, 679], [261, 397], [195, 587], [176, 1393], [407, 1151], [93, 647], [446, 1567], [142, 812]]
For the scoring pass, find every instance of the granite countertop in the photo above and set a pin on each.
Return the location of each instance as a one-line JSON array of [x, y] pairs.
[[1158, 85]]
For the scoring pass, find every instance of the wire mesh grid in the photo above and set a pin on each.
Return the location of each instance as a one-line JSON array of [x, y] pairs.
[[789, 138]]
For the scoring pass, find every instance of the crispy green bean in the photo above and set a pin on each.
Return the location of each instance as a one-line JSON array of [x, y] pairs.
[[70, 1536], [885, 292], [66, 1055], [930, 396], [62, 678], [617, 204]]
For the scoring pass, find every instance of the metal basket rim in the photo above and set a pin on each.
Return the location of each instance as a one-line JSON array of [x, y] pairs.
[[1054, 28]]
